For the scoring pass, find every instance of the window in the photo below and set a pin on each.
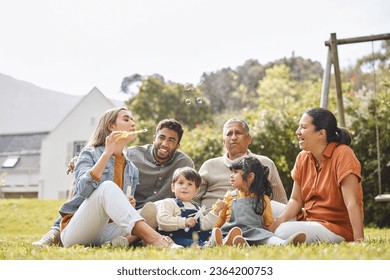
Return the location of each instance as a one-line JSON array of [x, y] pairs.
[[77, 147], [11, 161]]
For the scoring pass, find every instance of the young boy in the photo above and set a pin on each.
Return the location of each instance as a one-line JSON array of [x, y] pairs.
[[177, 217]]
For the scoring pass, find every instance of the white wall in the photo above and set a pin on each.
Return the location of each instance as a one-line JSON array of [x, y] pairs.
[[57, 147]]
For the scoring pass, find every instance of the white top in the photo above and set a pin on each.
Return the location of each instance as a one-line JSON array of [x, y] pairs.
[[169, 216]]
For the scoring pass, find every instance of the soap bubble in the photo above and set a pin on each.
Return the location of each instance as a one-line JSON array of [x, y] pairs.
[[187, 87], [199, 100], [188, 101]]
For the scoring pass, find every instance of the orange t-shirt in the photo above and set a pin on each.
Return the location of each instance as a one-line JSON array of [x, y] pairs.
[[321, 190]]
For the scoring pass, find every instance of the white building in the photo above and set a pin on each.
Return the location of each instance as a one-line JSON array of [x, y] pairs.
[[40, 131]]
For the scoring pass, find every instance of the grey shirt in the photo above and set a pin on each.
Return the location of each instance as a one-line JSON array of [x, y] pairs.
[[155, 179]]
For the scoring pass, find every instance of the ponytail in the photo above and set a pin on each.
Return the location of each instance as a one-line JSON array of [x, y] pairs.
[[343, 136]]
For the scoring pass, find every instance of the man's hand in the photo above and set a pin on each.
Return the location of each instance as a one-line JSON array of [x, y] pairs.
[[71, 165], [132, 200]]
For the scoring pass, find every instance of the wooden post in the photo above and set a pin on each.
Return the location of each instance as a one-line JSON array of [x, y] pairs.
[[332, 44], [332, 49], [335, 60], [326, 81]]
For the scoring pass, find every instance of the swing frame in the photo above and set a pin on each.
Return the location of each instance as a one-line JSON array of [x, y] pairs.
[[332, 58]]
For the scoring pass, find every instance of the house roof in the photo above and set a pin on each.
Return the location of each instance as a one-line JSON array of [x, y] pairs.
[[21, 151], [25, 163], [21, 143], [26, 108]]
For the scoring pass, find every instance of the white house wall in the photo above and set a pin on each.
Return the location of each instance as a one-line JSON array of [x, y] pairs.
[[57, 147]]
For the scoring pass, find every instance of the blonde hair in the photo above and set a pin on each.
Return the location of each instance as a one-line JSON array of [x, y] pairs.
[[98, 137]]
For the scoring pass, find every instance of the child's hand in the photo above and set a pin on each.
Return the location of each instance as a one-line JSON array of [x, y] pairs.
[[218, 206], [190, 222]]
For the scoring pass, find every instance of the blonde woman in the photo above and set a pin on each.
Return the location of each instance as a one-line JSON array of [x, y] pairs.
[[99, 211]]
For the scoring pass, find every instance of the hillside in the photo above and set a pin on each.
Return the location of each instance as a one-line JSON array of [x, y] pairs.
[[28, 108]]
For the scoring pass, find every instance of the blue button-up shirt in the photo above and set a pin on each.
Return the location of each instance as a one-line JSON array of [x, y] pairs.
[[85, 184]]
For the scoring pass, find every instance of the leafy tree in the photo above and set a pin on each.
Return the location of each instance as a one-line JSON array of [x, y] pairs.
[[201, 143], [282, 100], [219, 88], [371, 126], [301, 69], [157, 100], [229, 89], [248, 77]]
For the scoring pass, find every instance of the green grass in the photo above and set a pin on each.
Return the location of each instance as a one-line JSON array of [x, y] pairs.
[[23, 221]]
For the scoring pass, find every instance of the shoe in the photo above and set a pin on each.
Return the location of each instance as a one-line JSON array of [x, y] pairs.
[[165, 242], [240, 241], [295, 239], [119, 241], [52, 237], [149, 213], [228, 240], [215, 238]]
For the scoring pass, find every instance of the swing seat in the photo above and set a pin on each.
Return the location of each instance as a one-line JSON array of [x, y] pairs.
[[382, 198]]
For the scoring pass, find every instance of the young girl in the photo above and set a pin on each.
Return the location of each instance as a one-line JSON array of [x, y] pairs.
[[247, 214], [99, 212], [177, 217]]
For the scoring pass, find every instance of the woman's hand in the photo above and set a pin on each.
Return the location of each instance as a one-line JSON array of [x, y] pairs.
[[132, 200], [272, 227], [111, 140]]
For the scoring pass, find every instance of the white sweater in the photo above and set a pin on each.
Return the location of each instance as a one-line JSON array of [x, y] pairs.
[[169, 216]]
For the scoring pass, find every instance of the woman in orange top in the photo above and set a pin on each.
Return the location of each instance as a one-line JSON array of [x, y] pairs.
[[327, 197]]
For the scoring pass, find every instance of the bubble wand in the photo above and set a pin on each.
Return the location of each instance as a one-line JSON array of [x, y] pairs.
[[127, 133]]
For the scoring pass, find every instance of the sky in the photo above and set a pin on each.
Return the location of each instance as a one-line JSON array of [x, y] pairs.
[[71, 46]]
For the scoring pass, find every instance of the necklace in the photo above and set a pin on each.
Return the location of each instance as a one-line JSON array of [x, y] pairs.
[[317, 164]]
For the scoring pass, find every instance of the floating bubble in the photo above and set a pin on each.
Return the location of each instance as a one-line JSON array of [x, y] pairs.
[[199, 100], [188, 101], [187, 87]]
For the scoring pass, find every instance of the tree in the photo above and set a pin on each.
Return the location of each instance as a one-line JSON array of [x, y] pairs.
[[202, 142], [219, 88], [157, 100], [282, 100], [371, 127]]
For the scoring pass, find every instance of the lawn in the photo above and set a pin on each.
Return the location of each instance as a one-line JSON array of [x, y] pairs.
[[23, 221]]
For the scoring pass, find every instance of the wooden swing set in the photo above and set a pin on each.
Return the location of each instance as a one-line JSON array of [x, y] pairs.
[[332, 58]]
